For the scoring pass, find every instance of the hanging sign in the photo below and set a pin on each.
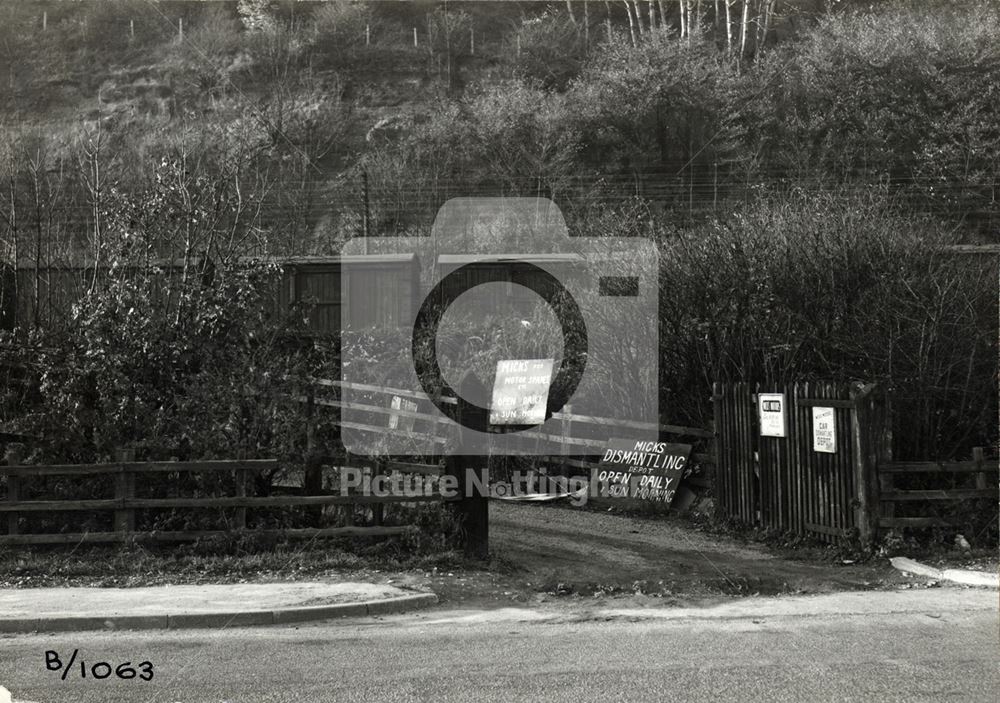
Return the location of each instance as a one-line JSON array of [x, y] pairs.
[[824, 431], [521, 392], [771, 409], [401, 422]]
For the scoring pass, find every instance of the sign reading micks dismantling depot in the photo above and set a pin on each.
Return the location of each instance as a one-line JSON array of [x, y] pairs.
[[642, 470]]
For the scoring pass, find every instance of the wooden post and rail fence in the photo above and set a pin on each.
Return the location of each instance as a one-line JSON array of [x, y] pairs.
[[779, 483]]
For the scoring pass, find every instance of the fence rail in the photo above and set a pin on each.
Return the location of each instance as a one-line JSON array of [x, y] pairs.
[[125, 503], [892, 497], [575, 451]]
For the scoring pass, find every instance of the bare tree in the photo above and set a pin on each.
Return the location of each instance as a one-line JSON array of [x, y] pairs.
[[729, 25], [631, 21], [638, 17], [743, 28]]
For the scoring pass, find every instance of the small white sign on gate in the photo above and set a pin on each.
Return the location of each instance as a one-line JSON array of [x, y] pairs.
[[771, 410], [824, 430]]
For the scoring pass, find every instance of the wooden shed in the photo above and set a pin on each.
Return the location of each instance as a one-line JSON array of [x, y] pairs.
[[383, 286]]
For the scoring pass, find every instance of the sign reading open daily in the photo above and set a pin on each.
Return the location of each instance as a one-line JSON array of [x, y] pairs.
[[642, 470], [521, 392]]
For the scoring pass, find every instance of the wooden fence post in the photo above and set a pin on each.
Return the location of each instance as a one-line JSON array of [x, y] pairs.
[[977, 456], [13, 494], [867, 427], [565, 432], [124, 490], [240, 515], [472, 506], [312, 482]]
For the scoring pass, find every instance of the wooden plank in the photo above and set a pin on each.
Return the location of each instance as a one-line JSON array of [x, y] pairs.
[[378, 389], [382, 430], [6, 437], [58, 505], [824, 403], [138, 467], [589, 419], [979, 249], [225, 502], [825, 530], [946, 494], [411, 468], [276, 501], [970, 467], [292, 533], [747, 507], [378, 410], [631, 424], [913, 522]]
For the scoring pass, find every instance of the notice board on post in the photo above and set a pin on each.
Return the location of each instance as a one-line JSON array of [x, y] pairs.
[[521, 391], [641, 469]]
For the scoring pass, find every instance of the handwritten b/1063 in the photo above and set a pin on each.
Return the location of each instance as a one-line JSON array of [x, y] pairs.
[[142, 671]]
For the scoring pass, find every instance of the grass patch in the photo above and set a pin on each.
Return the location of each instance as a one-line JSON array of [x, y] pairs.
[[236, 560]]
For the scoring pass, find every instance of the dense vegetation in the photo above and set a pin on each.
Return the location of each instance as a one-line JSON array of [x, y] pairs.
[[800, 163]]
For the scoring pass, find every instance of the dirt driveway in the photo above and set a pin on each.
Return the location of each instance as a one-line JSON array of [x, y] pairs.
[[554, 553], [587, 550]]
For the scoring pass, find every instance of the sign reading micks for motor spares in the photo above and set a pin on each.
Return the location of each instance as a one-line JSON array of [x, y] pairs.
[[521, 391], [642, 470]]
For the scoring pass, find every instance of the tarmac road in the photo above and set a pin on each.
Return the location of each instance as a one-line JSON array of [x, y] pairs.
[[937, 644]]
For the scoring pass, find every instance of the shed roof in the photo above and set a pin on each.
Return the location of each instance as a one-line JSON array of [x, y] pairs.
[[461, 259]]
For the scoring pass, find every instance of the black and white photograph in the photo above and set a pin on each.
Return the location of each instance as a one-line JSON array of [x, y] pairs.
[[499, 351]]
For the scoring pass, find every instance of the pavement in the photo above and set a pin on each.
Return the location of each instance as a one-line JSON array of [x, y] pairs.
[[197, 606], [966, 577]]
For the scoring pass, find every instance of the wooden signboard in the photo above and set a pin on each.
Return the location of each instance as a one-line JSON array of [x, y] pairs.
[[521, 392], [642, 470]]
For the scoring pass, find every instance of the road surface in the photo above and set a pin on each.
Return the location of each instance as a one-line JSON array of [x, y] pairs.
[[934, 645]]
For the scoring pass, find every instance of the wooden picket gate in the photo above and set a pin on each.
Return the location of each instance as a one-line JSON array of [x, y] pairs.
[[781, 483]]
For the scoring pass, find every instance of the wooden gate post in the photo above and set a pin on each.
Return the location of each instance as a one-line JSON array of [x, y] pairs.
[[867, 429], [472, 506]]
